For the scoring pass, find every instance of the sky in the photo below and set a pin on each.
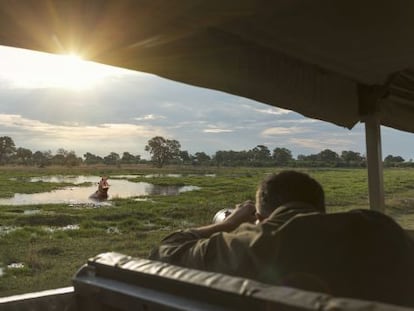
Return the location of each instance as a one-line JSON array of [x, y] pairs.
[[49, 102]]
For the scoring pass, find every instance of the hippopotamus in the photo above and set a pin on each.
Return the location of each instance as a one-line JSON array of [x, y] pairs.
[[102, 192]]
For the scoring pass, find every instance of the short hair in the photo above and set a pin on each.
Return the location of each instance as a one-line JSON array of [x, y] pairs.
[[288, 186]]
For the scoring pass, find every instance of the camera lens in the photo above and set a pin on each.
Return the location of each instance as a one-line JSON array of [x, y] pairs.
[[222, 214]]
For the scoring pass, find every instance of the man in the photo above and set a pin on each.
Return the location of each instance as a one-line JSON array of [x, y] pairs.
[[238, 246], [360, 254]]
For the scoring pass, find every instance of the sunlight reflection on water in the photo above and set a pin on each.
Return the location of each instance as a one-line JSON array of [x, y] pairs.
[[177, 175]]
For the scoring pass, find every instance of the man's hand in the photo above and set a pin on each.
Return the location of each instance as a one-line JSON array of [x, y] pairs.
[[243, 212]]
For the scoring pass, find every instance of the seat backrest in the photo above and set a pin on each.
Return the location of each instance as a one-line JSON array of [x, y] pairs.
[[113, 281]]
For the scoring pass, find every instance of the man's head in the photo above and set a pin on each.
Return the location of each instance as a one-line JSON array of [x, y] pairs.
[[285, 187]]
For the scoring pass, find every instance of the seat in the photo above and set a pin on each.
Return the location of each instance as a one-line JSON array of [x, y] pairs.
[[113, 281]]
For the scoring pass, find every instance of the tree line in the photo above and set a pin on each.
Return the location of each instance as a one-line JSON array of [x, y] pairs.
[[168, 151]]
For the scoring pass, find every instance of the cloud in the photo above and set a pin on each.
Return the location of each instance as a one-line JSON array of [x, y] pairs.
[[41, 135], [275, 131], [318, 144], [184, 127], [274, 111], [217, 130], [149, 117], [299, 120], [104, 130]]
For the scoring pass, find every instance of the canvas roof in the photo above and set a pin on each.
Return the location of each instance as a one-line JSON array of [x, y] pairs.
[[330, 60]]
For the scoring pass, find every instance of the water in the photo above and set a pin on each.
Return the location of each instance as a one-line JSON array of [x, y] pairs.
[[64, 228], [119, 188], [163, 175], [4, 230], [52, 229], [130, 176], [126, 176], [177, 175], [16, 265], [31, 211]]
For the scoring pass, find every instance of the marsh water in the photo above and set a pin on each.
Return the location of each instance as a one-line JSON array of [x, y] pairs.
[[79, 194]]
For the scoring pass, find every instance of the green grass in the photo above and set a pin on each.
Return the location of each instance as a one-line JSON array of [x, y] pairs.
[[51, 258]]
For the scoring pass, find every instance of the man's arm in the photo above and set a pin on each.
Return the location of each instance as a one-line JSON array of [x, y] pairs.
[[189, 247], [244, 212]]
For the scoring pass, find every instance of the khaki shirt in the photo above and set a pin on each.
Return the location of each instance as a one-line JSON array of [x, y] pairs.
[[243, 252]]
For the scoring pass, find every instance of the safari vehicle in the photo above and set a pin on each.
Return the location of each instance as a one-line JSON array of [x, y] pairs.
[[343, 62]]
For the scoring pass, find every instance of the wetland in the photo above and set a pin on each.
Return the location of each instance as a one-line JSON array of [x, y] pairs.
[[43, 244]]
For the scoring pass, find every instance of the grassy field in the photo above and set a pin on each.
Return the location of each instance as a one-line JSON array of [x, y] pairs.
[[51, 257]]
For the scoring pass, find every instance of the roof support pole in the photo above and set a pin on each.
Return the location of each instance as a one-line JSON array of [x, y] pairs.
[[374, 163]]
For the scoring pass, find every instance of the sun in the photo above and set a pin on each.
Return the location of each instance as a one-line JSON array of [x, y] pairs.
[[71, 72], [28, 69]]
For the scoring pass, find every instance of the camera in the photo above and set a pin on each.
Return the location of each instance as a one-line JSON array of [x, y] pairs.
[[222, 214]]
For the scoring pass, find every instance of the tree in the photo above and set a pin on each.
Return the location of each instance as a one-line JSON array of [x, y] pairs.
[[7, 149], [201, 158], [38, 158], [184, 156], [72, 159], [282, 156], [162, 150], [128, 158], [60, 157], [329, 156], [42, 158], [391, 160], [219, 157], [260, 153], [112, 159], [349, 156], [66, 157], [302, 157], [352, 158], [23, 156], [92, 159]]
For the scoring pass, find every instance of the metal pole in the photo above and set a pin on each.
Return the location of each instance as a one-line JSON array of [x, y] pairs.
[[374, 163]]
